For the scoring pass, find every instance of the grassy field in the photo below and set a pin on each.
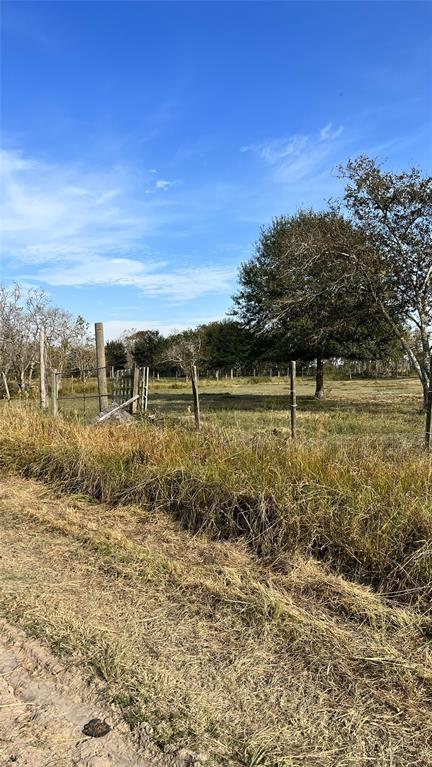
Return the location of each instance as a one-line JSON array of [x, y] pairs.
[[269, 604], [380, 408]]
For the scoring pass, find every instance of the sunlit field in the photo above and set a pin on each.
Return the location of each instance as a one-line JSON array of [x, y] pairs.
[[380, 408]]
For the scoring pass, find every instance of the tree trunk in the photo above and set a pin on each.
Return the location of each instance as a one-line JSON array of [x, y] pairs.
[[319, 387]]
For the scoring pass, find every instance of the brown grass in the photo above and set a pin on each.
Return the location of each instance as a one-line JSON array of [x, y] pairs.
[[363, 509], [254, 665]]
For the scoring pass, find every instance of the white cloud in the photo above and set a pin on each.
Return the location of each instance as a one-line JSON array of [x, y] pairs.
[[161, 183], [330, 133], [73, 227], [278, 149], [153, 277], [54, 212]]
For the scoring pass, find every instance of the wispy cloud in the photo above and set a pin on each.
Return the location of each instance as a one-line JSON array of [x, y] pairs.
[[329, 132], [74, 227], [155, 278], [297, 157]]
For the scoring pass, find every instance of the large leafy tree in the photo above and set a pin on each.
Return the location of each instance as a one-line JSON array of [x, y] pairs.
[[393, 211], [298, 286]]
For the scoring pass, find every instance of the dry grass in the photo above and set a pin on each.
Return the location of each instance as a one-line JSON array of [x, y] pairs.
[[256, 666], [363, 509]]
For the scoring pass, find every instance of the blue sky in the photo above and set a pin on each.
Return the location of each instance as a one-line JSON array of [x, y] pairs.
[[144, 144]]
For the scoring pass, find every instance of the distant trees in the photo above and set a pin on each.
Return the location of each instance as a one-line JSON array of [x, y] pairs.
[[298, 288], [147, 347], [393, 212], [115, 355], [227, 344]]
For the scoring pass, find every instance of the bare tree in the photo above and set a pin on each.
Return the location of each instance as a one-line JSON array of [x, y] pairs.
[[82, 355], [394, 211], [184, 350]]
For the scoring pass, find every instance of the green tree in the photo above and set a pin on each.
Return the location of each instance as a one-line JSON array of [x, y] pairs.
[[298, 288], [146, 347], [227, 344], [115, 354]]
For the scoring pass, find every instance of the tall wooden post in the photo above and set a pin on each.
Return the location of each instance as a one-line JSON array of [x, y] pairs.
[[101, 366], [428, 418], [146, 384], [195, 393], [54, 393], [135, 383], [293, 394], [42, 379]]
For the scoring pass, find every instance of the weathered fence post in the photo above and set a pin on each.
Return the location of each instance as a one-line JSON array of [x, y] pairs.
[[292, 369], [428, 418], [101, 366], [146, 387], [6, 387], [195, 393], [42, 380], [135, 384], [54, 393]]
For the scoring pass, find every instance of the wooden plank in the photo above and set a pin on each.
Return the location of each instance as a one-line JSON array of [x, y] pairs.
[[118, 407]]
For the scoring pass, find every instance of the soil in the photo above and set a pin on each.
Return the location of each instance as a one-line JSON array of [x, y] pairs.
[[44, 707]]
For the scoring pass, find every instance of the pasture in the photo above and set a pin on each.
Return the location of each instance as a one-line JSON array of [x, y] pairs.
[[379, 408], [251, 600]]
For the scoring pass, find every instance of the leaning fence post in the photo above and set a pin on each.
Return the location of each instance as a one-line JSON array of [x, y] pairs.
[[292, 369], [428, 418], [42, 381], [54, 393], [101, 366], [195, 393]]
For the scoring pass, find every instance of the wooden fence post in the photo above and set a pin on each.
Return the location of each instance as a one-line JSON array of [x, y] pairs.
[[42, 379], [135, 384], [428, 418], [195, 393], [101, 366], [146, 381], [6, 387], [54, 393], [292, 369]]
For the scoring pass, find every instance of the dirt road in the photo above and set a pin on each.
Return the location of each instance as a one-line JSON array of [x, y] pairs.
[[44, 706]]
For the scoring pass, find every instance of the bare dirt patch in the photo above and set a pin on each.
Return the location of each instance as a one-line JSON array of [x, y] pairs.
[[45, 706]]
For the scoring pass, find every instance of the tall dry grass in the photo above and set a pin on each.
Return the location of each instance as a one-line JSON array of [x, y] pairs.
[[365, 509]]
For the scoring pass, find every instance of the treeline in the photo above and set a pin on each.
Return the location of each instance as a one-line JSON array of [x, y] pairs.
[[228, 348]]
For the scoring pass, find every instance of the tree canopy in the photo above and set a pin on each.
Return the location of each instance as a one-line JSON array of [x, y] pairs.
[[300, 288]]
